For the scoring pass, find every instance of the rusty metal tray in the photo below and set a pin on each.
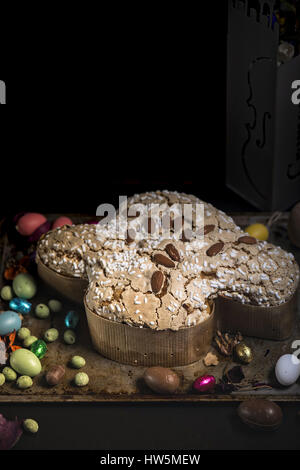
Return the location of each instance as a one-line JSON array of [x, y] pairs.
[[114, 382]]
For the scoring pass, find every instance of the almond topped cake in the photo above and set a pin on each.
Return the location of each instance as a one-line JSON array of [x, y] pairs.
[[167, 282]]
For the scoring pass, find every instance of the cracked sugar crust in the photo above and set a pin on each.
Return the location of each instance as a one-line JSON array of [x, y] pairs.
[[63, 249], [221, 263], [124, 287]]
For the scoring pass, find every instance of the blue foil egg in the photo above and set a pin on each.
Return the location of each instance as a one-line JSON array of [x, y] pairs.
[[9, 321], [71, 319], [20, 305]]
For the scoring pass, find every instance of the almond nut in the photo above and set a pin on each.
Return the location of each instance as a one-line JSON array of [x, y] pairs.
[[248, 240], [157, 281], [208, 229], [163, 260], [172, 252], [215, 249]]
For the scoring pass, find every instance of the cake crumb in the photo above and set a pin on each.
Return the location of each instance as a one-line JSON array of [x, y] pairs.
[[211, 360]]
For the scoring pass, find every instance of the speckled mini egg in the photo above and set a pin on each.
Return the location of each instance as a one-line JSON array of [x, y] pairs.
[[62, 221], [287, 369], [29, 222], [9, 321], [24, 286]]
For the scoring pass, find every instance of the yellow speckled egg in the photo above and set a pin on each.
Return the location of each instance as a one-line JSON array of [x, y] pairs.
[[259, 231]]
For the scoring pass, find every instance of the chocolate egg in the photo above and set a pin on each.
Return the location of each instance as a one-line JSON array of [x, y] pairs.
[[287, 369], [25, 362], [205, 383], [161, 380], [36, 235], [259, 231], [243, 353], [61, 221], [9, 321], [294, 225], [24, 286], [29, 222], [55, 374], [259, 413]]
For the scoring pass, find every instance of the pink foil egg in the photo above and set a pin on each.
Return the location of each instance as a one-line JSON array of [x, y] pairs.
[[205, 383], [29, 222], [62, 221]]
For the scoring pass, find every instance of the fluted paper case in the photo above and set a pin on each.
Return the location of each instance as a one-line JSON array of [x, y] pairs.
[[147, 347], [71, 287], [262, 322]]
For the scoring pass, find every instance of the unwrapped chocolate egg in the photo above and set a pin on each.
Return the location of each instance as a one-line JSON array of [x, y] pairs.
[[259, 413], [243, 353], [161, 380], [205, 383], [55, 374], [294, 225]]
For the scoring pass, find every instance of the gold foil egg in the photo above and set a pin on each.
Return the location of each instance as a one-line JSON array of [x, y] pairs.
[[243, 353]]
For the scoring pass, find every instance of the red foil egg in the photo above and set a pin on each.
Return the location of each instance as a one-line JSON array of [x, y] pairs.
[[29, 222], [205, 383]]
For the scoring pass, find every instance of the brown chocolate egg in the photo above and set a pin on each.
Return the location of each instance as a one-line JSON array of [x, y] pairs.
[[259, 413], [294, 225], [161, 380], [55, 374]]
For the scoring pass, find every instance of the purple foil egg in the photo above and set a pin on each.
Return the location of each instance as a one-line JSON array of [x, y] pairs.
[[17, 217], [205, 383], [93, 221], [44, 228]]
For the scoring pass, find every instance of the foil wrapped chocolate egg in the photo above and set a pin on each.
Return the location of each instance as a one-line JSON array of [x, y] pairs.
[[20, 305], [205, 383], [39, 348], [243, 353]]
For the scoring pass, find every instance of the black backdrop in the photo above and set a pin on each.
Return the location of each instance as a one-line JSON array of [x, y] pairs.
[[136, 103]]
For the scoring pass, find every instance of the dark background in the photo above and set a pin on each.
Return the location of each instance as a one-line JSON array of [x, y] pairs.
[[136, 105]]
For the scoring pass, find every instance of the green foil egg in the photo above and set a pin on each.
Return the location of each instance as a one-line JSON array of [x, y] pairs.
[[25, 362], [24, 286], [39, 348]]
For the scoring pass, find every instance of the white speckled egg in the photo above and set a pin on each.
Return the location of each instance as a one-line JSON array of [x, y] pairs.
[[287, 369]]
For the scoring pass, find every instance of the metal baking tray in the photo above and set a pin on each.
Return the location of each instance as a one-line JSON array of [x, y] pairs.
[[114, 382]]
